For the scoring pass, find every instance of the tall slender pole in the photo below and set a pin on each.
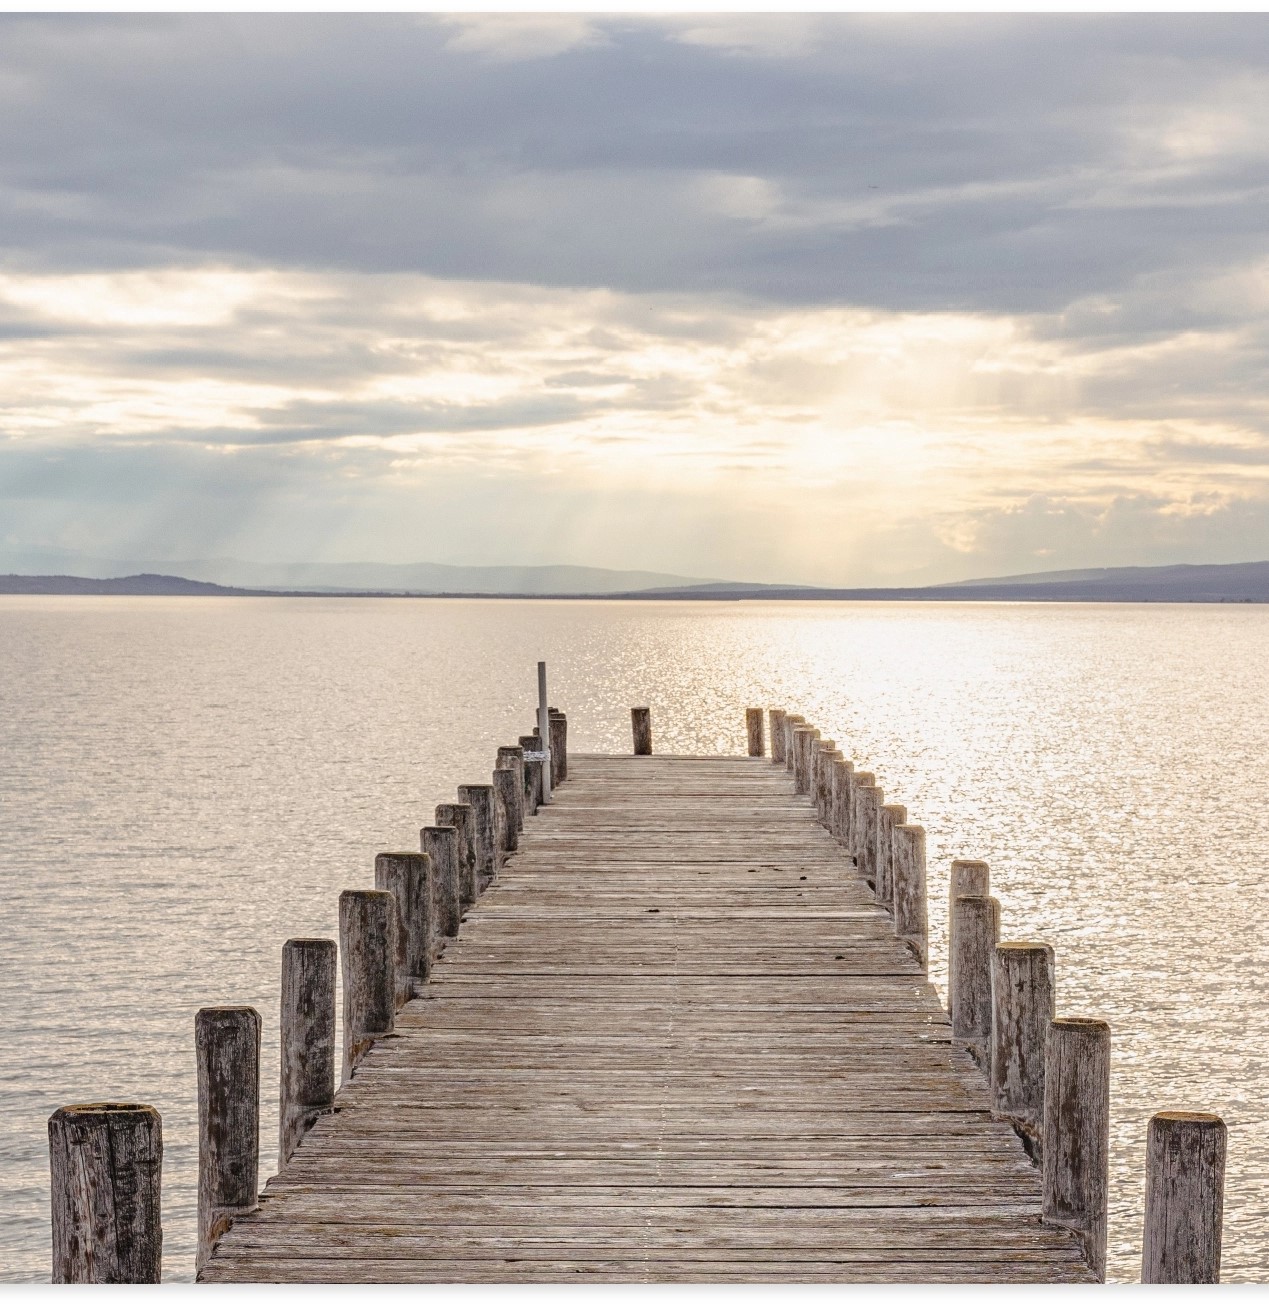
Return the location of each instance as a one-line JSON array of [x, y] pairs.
[[544, 730]]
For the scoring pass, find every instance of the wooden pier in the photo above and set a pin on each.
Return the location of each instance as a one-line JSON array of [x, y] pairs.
[[650, 1018], [676, 1040]]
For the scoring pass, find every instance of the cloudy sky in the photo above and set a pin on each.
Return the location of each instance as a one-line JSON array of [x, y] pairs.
[[829, 299]]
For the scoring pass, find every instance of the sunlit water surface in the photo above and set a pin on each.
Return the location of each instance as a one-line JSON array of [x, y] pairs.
[[186, 783]]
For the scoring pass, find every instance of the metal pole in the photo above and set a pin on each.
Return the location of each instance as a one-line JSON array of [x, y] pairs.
[[544, 731]]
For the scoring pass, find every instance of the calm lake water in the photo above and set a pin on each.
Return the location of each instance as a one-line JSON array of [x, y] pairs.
[[188, 782]]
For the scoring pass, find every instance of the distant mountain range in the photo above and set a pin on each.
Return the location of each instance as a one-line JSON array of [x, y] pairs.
[[1211, 583], [1200, 583], [396, 578]]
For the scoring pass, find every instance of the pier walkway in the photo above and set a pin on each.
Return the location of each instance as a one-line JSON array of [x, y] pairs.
[[675, 1040]]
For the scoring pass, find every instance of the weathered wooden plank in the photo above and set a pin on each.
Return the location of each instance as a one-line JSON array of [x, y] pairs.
[[676, 1040]]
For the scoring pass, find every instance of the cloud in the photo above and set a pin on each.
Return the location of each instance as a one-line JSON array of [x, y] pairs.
[[513, 36], [957, 286]]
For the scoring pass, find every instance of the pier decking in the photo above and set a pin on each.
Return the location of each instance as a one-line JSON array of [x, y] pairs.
[[676, 1040]]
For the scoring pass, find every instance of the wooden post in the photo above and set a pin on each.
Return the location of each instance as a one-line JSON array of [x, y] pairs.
[[409, 877], [559, 747], [506, 837], [641, 726], [512, 756], [754, 730], [306, 1087], [533, 792], [532, 786], [106, 1165], [1021, 1010], [868, 813], [1076, 1141], [1185, 1199], [971, 878], [481, 801], [831, 758], [776, 717], [821, 752], [367, 951], [227, 1051], [802, 738], [889, 816], [908, 869], [859, 782], [463, 820], [813, 763], [441, 843], [792, 721], [843, 781], [975, 932]]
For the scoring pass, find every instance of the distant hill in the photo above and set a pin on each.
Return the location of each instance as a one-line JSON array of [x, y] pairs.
[[421, 578], [146, 583], [1213, 583], [1176, 581], [1198, 583]]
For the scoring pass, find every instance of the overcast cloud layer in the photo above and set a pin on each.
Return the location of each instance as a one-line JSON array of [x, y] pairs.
[[823, 299]]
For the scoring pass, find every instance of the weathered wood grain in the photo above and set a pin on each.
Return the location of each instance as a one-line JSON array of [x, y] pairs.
[[1076, 1152], [367, 955], [641, 729], [227, 1053], [106, 1162], [1185, 1197], [676, 1040], [307, 1039]]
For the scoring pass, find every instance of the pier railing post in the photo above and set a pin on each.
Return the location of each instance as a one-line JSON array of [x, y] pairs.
[[792, 721], [822, 752], [1021, 1010], [641, 729], [462, 819], [559, 747], [533, 791], [512, 756], [843, 781], [409, 878], [754, 730], [776, 718], [367, 951], [908, 869], [889, 816], [970, 878], [441, 845], [306, 1084], [106, 1166], [481, 801], [802, 738], [1185, 1199], [1076, 1139], [506, 837], [227, 1049], [859, 783], [975, 932], [813, 762], [828, 816], [869, 813]]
